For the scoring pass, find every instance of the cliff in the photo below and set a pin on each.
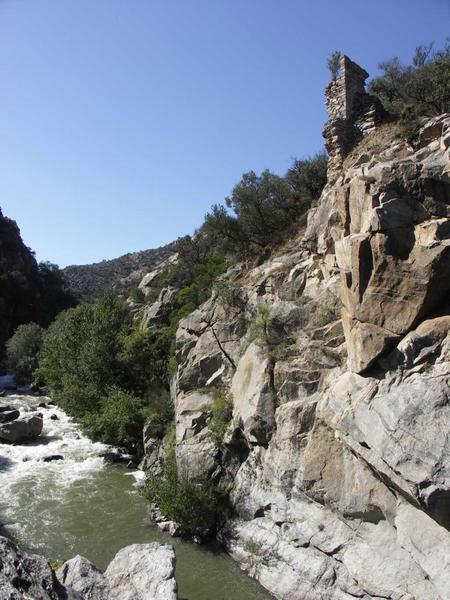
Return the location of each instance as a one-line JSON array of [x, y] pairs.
[[335, 352]]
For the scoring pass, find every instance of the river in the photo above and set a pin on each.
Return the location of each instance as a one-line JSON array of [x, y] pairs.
[[81, 505]]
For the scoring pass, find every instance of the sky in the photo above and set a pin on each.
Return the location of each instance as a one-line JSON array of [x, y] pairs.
[[123, 121]]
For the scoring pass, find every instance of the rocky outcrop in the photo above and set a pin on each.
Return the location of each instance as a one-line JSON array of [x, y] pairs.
[[337, 361], [24, 576], [137, 572], [394, 254]]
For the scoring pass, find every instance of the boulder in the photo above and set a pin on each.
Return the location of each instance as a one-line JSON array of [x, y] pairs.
[[142, 572], [82, 576], [53, 457], [21, 430], [7, 416]]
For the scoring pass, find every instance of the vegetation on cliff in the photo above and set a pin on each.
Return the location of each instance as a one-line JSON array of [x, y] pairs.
[[420, 89], [265, 207]]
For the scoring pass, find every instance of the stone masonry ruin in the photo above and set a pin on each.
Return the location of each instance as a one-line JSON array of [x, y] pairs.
[[353, 113]]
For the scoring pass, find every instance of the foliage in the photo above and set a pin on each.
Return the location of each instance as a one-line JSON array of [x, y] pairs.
[[307, 178], [106, 372], [266, 331], [221, 413], [143, 360], [191, 504], [334, 63], [22, 350], [29, 291], [416, 90], [118, 419], [263, 207], [137, 295], [229, 295]]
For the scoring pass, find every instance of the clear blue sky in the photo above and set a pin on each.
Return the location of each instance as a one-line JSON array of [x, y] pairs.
[[122, 121]]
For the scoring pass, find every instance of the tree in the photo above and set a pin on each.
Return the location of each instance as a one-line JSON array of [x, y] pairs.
[[263, 207], [419, 89], [79, 355], [22, 350], [307, 179], [119, 420], [334, 63]]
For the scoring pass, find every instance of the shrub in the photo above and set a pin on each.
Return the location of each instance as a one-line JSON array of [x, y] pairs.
[[229, 295], [137, 295], [266, 331], [221, 413], [106, 372], [307, 178], [118, 420], [334, 63], [22, 350], [193, 505]]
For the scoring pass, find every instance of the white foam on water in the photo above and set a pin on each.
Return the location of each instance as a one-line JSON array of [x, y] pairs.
[[24, 476]]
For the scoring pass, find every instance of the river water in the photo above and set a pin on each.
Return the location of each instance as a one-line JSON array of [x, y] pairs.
[[81, 505]]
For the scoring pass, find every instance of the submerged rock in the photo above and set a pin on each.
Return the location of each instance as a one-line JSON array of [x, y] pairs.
[[53, 457]]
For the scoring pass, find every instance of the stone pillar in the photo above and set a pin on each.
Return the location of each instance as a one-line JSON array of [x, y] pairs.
[[352, 113]]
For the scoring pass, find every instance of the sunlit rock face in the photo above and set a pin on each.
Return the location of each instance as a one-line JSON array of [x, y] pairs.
[[336, 456]]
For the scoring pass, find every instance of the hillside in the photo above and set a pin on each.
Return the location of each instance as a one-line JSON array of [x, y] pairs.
[[29, 291], [86, 281]]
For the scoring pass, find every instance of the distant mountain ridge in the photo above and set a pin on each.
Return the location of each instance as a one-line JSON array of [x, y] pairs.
[[85, 281]]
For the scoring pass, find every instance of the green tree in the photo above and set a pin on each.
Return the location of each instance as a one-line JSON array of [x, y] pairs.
[[307, 178], [419, 89], [79, 355], [118, 420], [262, 208], [334, 63], [22, 350]]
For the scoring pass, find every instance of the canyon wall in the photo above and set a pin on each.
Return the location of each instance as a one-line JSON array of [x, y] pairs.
[[335, 352]]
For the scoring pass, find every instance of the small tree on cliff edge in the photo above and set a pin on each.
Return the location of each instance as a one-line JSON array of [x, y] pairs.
[[334, 63]]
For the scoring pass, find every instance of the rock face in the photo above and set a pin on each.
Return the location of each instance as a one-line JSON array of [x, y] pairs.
[[394, 241], [24, 576], [137, 572], [21, 429], [337, 453]]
